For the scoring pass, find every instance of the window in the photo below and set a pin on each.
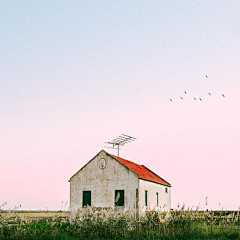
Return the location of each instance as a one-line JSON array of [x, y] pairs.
[[119, 197], [137, 198], [157, 198], [146, 198], [86, 198], [166, 190]]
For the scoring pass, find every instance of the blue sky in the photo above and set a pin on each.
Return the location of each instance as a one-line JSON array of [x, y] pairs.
[[74, 74], [154, 47]]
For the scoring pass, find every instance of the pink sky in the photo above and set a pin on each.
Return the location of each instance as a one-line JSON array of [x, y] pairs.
[[78, 74], [193, 145]]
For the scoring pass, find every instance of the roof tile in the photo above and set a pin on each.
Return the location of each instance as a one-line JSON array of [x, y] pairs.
[[142, 171]]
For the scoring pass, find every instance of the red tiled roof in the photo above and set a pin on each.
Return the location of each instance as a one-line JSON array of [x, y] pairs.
[[143, 172]]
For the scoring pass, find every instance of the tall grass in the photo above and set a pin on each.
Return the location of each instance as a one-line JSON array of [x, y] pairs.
[[111, 224]]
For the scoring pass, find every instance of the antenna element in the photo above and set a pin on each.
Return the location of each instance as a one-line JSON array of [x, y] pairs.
[[120, 141]]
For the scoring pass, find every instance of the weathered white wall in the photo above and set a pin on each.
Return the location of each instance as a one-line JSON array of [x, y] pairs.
[[164, 199], [102, 184]]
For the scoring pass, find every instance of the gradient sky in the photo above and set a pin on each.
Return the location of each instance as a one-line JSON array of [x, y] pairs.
[[74, 74]]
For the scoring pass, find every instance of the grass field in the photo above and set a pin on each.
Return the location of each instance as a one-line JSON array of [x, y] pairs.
[[93, 224]]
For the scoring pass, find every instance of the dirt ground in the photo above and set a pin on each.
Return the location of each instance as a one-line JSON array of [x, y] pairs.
[[36, 215]]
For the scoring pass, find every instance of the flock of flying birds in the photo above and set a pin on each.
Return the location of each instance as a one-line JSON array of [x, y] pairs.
[[199, 97]]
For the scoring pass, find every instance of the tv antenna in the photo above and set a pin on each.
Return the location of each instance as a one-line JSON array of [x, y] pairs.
[[120, 141]]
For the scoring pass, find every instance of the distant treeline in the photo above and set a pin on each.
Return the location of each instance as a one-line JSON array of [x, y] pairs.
[[35, 211]]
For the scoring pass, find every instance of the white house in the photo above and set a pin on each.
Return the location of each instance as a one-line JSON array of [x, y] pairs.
[[109, 181]]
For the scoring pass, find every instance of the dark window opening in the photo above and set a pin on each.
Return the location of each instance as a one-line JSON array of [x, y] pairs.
[[166, 190], [119, 197], [86, 198], [157, 198], [146, 198], [137, 198]]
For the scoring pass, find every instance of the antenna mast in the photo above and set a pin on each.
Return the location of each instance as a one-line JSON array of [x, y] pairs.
[[120, 141]]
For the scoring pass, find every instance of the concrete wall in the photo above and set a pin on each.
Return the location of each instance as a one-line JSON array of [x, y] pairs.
[[164, 199], [102, 183]]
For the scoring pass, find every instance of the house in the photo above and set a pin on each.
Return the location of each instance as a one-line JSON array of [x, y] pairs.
[[109, 181]]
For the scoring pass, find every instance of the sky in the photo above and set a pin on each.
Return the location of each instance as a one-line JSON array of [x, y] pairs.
[[75, 74]]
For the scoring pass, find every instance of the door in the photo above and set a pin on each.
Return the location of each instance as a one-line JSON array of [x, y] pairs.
[[86, 198]]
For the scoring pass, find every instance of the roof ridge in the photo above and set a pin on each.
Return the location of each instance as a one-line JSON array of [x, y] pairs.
[[127, 160], [142, 171]]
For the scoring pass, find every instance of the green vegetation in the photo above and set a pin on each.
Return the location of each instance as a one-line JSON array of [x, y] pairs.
[[110, 224]]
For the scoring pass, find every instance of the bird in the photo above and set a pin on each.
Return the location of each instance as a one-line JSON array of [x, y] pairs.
[[206, 76], [195, 99], [185, 92], [170, 99], [200, 99], [210, 94], [223, 95], [181, 98]]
